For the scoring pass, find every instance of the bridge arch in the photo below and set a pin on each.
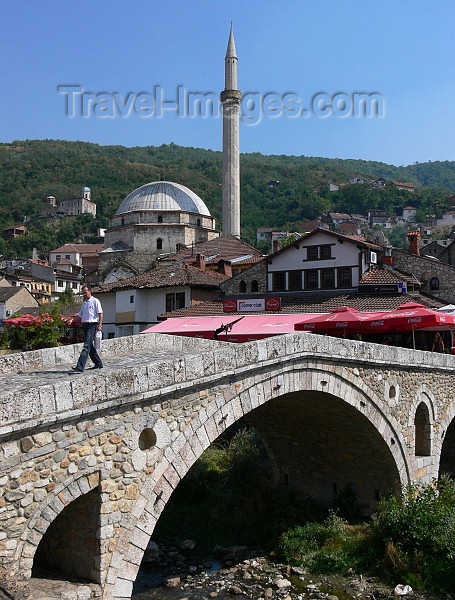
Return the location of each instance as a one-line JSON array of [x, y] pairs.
[[73, 489], [446, 443], [241, 398]]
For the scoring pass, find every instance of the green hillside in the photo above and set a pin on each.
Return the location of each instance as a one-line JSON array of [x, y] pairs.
[[33, 169]]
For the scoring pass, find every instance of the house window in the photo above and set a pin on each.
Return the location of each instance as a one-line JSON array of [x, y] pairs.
[[58, 257], [325, 252], [279, 281], [74, 285], [434, 283], [159, 244], [344, 277], [254, 286], [60, 283], [312, 253], [160, 219], [311, 279], [199, 222], [175, 301], [242, 287], [67, 256], [327, 279], [295, 280], [132, 299]]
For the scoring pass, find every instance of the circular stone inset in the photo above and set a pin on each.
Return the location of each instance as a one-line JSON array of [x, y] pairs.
[[147, 439]]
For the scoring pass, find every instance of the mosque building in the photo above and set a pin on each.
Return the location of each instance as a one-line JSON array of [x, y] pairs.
[[161, 217]]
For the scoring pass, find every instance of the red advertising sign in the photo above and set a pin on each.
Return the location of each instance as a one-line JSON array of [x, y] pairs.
[[273, 304], [229, 305]]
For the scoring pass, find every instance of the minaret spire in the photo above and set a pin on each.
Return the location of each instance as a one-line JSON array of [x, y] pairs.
[[231, 98]]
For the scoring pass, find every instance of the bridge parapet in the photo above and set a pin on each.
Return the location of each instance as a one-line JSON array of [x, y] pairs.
[[36, 388]]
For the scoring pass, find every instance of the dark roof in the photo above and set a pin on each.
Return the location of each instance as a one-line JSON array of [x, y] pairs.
[[8, 292], [224, 247], [318, 303], [175, 275]]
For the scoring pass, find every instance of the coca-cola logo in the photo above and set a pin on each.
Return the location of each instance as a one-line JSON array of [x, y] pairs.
[[272, 304], [229, 305]]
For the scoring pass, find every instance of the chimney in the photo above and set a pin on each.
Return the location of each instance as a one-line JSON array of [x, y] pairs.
[[224, 267], [414, 242], [200, 261], [275, 245], [387, 259]]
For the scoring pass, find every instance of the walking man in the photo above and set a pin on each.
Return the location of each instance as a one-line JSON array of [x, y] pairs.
[[91, 314]]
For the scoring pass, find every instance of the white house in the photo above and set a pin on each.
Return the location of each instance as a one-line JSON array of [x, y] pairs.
[[320, 261], [131, 305]]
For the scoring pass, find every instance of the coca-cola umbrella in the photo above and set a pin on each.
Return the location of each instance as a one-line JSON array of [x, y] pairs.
[[408, 317], [342, 320]]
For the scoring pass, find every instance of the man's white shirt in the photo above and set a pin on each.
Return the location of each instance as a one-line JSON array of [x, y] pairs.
[[90, 310]]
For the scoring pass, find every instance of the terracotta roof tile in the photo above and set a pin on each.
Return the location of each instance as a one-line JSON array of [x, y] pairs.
[[174, 275], [224, 247], [318, 303]]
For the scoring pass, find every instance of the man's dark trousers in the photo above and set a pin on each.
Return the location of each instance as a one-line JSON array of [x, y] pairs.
[[89, 348]]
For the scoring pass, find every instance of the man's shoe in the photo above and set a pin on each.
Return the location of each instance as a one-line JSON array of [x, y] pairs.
[[77, 370], [96, 367]]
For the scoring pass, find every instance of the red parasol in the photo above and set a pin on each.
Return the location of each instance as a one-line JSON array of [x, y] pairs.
[[24, 321], [340, 320], [408, 317]]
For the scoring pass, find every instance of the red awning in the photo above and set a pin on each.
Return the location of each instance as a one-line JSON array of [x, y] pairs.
[[229, 329], [23, 321], [203, 327]]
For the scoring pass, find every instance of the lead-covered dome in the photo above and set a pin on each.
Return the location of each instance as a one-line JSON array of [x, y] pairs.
[[163, 195]]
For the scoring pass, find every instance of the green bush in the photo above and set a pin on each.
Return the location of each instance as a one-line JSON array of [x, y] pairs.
[[418, 529]]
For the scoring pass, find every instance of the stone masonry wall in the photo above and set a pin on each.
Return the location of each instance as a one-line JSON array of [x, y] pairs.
[[257, 272], [130, 435], [426, 268]]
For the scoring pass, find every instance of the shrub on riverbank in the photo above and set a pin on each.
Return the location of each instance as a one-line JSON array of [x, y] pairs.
[[410, 539]]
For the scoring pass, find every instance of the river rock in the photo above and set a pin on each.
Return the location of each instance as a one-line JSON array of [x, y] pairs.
[[188, 545], [402, 590], [282, 583], [171, 582], [234, 590]]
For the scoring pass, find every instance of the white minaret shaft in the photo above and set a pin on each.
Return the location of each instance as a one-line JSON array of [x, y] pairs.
[[231, 98]]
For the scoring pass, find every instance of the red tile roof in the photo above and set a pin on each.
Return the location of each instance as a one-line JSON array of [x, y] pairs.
[[175, 275], [318, 303], [224, 247], [80, 248]]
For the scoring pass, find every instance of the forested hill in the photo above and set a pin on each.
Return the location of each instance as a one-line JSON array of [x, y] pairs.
[[34, 169]]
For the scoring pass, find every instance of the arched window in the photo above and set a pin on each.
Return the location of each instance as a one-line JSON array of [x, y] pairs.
[[160, 219], [199, 222], [123, 221], [159, 244], [242, 287], [422, 431], [254, 286], [434, 283]]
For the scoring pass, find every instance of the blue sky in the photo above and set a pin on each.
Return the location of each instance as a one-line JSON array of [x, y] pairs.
[[403, 50]]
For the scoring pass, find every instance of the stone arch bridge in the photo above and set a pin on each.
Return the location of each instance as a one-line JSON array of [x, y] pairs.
[[88, 462]]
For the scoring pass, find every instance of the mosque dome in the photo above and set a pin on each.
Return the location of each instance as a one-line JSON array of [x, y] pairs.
[[163, 195], [85, 189]]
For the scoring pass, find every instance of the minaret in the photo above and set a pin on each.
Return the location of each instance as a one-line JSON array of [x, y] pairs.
[[231, 98]]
